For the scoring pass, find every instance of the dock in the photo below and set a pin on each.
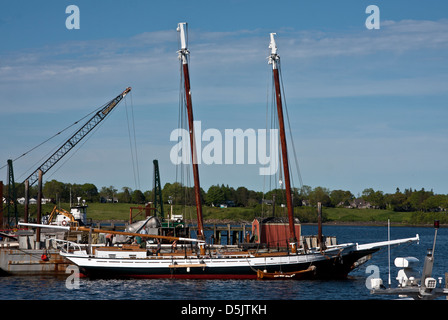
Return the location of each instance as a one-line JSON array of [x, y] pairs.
[[229, 234]]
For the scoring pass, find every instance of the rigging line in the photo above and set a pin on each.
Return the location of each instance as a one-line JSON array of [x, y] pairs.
[[266, 127], [130, 144], [79, 147], [38, 162], [270, 118], [182, 168], [180, 120], [290, 133], [48, 139], [135, 140], [272, 126], [45, 156], [181, 111], [288, 154], [276, 126]]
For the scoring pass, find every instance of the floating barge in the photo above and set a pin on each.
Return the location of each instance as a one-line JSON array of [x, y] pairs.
[[22, 255]]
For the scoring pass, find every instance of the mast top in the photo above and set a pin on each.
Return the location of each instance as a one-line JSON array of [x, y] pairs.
[[274, 57], [183, 52]]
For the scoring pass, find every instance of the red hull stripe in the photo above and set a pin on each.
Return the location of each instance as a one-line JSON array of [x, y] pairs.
[[190, 276]]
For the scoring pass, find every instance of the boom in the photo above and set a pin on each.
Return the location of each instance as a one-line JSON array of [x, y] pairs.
[[78, 136]]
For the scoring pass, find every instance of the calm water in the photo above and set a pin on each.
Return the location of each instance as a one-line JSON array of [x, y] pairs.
[[54, 288]]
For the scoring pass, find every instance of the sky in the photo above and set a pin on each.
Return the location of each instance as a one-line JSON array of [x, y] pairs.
[[367, 107]]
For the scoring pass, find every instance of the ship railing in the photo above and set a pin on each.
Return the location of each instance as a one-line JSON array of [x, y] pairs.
[[66, 246]]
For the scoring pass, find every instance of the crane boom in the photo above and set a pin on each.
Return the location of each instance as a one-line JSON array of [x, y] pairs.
[[75, 138]]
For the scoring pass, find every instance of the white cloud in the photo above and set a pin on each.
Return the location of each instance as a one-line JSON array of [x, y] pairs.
[[224, 62], [229, 72]]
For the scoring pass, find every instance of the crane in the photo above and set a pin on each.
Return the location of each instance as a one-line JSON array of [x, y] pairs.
[[65, 216], [75, 138], [158, 203]]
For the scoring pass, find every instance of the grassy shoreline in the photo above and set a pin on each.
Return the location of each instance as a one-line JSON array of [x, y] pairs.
[[307, 215]]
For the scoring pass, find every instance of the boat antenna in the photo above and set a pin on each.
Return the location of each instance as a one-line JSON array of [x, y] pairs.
[[436, 227], [388, 249], [429, 258]]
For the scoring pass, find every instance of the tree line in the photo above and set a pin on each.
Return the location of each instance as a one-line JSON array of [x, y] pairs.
[[222, 195]]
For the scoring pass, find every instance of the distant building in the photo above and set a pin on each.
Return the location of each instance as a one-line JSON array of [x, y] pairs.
[[360, 204], [108, 200], [306, 203], [34, 201]]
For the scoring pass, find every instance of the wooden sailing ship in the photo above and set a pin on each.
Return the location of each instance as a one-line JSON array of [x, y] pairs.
[[197, 260]]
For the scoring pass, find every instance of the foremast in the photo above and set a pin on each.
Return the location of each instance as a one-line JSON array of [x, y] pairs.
[[274, 59], [183, 56]]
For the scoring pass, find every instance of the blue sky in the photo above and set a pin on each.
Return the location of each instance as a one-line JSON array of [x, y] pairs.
[[368, 108]]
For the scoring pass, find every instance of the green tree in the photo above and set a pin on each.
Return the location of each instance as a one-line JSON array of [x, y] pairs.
[[125, 195], [376, 198], [149, 195], [322, 195], [305, 192], [276, 195], [180, 194], [340, 197], [74, 190], [108, 192], [397, 201], [417, 199], [242, 196], [89, 192], [138, 197], [215, 196], [56, 190]]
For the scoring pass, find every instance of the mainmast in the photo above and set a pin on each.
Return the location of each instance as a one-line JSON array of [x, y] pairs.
[[183, 56], [274, 59]]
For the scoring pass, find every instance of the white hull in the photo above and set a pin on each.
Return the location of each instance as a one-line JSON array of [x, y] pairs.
[[335, 262]]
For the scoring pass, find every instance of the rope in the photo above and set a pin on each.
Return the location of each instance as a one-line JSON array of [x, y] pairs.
[[133, 147], [50, 138], [274, 123], [75, 151], [182, 172], [135, 140], [290, 131]]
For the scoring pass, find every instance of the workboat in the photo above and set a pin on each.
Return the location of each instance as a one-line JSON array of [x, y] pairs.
[[193, 258], [413, 285]]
